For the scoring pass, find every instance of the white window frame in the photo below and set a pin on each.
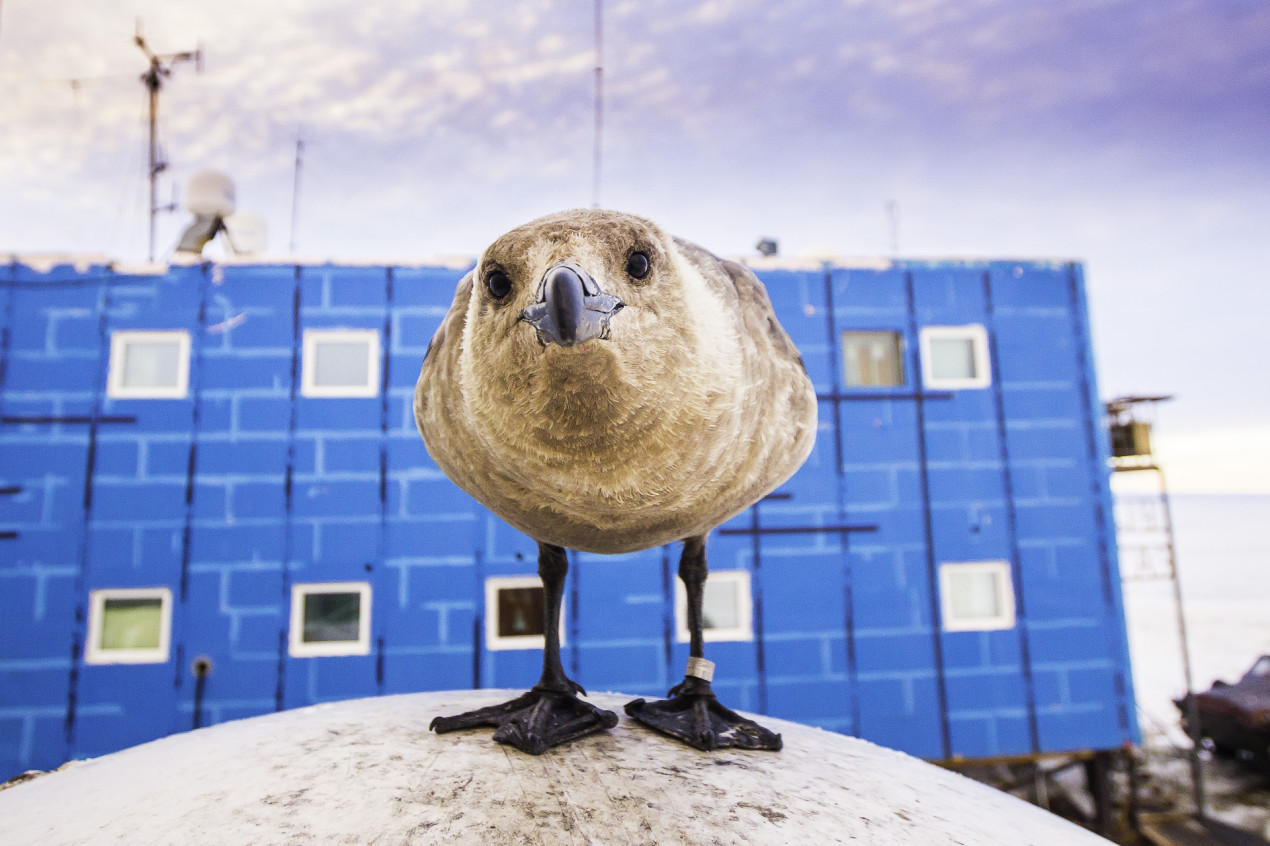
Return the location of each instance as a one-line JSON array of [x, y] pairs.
[[978, 337], [1003, 583], [308, 368], [119, 340], [742, 631], [496, 642], [299, 648], [93, 651]]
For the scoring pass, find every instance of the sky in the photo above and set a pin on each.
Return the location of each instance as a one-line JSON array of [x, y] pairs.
[[1131, 136]]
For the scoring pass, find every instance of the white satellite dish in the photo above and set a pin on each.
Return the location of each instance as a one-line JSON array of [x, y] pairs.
[[210, 192], [246, 233]]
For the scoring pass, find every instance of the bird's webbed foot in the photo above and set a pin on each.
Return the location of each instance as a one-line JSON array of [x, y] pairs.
[[694, 715], [535, 721]]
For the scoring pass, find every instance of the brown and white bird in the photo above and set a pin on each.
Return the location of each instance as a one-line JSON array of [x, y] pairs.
[[605, 387]]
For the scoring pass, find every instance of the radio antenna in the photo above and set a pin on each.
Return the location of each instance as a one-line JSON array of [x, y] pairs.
[[295, 189], [161, 65], [599, 103]]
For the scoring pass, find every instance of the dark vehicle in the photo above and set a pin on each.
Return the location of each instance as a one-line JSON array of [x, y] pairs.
[[1236, 717]]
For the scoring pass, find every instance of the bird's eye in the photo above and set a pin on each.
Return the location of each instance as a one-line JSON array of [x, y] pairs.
[[638, 265], [498, 283]]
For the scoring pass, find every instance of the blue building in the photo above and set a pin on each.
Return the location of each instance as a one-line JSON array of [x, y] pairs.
[[214, 504]]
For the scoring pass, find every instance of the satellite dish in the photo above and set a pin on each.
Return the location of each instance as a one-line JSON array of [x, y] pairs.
[[210, 193], [246, 233]]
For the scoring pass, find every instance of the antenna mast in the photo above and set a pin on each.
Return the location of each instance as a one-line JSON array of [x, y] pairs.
[[161, 65], [599, 102], [295, 189], [893, 224]]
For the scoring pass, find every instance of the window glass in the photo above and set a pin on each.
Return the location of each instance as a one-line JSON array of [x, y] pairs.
[[726, 607], [520, 612], [873, 358], [128, 626], [331, 617], [977, 596], [973, 595], [514, 613], [720, 605], [952, 358], [131, 624], [151, 364], [341, 363], [955, 357]]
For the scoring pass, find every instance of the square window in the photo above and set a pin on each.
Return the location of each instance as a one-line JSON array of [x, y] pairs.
[[872, 358], [976, 596], [340, 363], [129, 626], [726, 607], [955, 357], [514, 614], [330, 618], [149, 365]]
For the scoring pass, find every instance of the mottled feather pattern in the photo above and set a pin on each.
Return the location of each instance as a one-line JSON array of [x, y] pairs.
[[694, 408]]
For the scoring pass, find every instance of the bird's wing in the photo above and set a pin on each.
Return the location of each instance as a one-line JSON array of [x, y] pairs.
[[736, 282], [778, 403], [441, 366], [452, 325]]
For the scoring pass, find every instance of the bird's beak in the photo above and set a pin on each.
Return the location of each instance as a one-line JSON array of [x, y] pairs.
[[571, 307]]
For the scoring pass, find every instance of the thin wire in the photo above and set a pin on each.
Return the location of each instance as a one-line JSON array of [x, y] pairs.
[[599, 103]]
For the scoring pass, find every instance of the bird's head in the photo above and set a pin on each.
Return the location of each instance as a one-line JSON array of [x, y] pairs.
[[578, 301]]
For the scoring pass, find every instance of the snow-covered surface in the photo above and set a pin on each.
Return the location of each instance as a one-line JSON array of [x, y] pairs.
[[368, 771], [1223, 560]]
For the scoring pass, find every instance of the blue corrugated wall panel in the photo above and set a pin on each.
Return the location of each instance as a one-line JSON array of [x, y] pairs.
[[244, 488]]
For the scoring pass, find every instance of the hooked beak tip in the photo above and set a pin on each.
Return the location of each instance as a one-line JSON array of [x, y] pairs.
[[572, 309]]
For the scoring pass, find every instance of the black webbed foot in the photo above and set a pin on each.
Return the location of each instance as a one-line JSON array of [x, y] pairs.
[[694, 715], [535, 721]]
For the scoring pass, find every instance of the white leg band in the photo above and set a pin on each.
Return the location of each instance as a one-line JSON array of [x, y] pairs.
[[701, 668]]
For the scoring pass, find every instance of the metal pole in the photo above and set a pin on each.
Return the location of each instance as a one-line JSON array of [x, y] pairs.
[[599, 103], [153, 80], [1192, 710], [153, 83], [295, 189]]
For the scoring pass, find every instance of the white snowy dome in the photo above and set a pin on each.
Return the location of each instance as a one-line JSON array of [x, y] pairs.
[[370, 771]]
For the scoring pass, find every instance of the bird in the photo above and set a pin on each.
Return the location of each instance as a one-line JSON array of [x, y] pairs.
[[606, 387]]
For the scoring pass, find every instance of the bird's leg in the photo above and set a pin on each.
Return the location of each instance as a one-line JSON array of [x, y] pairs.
[[692, 713], [550, 713], [553, 566]]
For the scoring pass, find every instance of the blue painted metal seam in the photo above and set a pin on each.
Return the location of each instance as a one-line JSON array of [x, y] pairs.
[[932, 576], [1011, 519], [78, 635], [289, 494], [760, 653], [381, 539]]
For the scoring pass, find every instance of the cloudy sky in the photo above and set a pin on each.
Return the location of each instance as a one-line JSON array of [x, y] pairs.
[[1132, 135]]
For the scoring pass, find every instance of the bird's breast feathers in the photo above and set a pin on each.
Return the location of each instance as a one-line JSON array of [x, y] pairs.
[[689, 410]]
